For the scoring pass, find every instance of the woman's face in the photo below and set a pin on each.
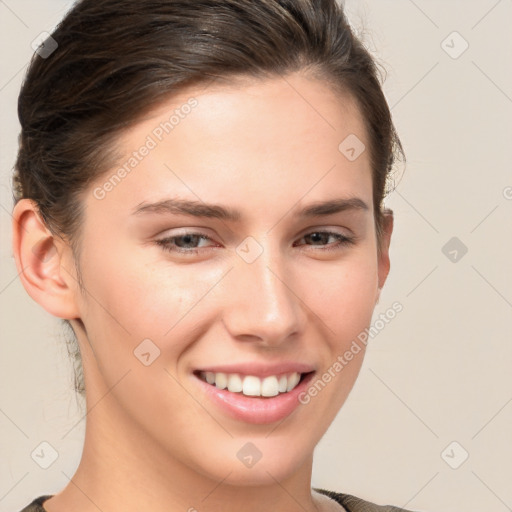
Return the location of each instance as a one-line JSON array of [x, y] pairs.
[[173, 291]]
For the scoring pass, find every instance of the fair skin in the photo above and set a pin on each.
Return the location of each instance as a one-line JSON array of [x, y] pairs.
[[154, 439]]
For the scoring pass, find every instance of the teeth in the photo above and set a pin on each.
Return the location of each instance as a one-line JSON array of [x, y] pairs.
[[251, 385], [269, 386], [221, 380], [293, 380], [283, 384], [234, 383]]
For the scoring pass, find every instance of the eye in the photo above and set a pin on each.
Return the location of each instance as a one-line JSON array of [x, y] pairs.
[[184, 243], [187, 243], [323, 236]]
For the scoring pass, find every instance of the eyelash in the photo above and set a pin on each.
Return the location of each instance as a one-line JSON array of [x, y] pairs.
[[343, 241]]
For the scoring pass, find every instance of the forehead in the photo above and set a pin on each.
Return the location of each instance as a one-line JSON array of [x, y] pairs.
[[267, 110], [268, 140]]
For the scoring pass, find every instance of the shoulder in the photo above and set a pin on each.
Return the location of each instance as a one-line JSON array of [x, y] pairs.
[[355, 504], [351, 503], [37, 504]]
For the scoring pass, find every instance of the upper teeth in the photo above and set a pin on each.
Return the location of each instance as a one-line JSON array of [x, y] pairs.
[[251, 385]]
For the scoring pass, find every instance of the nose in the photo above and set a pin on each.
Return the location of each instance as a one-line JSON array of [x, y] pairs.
[[264, 305]]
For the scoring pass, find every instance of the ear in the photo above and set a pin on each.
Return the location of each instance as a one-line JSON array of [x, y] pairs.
[[44, 262], [383, 258]]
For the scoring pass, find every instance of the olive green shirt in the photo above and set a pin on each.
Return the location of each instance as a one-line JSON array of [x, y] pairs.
[[351, 503]]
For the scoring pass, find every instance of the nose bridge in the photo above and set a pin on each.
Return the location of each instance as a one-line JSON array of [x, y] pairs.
[[263, 304]]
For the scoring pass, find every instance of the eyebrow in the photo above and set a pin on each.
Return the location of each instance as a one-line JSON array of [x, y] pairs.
[[216, 211]]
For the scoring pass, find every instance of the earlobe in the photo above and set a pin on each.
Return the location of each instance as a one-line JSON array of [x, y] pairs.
[[41, 262]]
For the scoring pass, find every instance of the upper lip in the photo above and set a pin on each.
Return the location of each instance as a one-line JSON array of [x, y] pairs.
[[259, 369]]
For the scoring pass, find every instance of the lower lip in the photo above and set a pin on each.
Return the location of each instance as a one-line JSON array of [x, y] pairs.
[[258, 410]]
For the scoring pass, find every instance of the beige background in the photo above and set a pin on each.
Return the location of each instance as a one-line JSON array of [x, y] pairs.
[[440, 371]]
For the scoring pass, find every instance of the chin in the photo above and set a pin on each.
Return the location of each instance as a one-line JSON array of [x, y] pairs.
[[259, 462]]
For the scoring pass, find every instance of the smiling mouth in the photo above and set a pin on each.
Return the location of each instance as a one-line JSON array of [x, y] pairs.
[[252, 386]]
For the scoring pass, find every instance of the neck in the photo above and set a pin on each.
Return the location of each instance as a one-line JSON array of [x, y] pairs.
[[123, 468]]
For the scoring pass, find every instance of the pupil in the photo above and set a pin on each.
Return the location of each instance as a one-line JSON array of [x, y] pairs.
[[316, 237], [187, 239]]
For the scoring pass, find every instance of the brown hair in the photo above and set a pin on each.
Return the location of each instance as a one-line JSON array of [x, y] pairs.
[[116, 59]]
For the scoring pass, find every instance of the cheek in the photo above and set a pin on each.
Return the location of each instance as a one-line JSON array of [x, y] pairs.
[[345, 303], [345, 297], [131, 299]]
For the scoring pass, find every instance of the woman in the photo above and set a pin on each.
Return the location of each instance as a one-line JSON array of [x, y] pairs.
[[199, 192]]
